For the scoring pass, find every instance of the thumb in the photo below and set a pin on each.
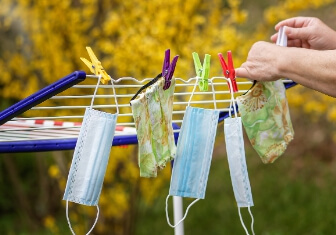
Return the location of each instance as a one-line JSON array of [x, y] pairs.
[[242, 73], [297, 33]]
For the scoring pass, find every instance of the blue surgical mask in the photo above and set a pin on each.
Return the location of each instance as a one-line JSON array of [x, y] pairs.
[[236, 157], [194, 152], [90, 158], [91, 155], [193, 155]]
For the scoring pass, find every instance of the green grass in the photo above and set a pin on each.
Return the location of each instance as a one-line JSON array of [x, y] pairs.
[[294, 195]]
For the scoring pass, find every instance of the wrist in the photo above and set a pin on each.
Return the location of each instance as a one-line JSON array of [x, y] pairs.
[[283, 62], [333, 38]]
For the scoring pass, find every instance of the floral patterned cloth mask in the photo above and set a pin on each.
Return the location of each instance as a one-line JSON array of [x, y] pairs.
[[265, 116], [152, 113]]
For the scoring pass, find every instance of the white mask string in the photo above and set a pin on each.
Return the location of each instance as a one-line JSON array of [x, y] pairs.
[[185, 215], [95, 91], [213, 93], [114, 93], [252, 222], [115, 96], [193, 91], [242, 222], [232, 101], [69, 223]]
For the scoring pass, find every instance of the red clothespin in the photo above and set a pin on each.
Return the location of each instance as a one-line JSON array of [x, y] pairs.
[[228, 70], [168, 69]]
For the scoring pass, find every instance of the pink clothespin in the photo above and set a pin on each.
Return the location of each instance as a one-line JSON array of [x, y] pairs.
[[168, 69], [228, 70]]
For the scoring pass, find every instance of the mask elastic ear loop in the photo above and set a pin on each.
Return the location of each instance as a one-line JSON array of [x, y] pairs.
[[185, 215], [69, 223], [114, 93], [213, 94], [193, 91], [115, 96], [242, 222], [94, 94], [232, 102], [252, 222]]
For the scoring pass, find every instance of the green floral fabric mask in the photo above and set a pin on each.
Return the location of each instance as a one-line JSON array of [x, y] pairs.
[[152, 113], [265, 116]]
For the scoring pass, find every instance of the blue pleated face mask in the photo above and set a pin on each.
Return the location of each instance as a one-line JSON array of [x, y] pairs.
[[236, 157], [91, 155], [90, 158], [193, 155]]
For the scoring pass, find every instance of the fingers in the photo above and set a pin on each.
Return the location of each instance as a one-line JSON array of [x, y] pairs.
[[294, 34], [294, 43], [274, 37], [297, 33], [242, 73], [295, 22]]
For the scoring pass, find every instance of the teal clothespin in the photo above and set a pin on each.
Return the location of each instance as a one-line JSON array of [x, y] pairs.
[[202, 71]]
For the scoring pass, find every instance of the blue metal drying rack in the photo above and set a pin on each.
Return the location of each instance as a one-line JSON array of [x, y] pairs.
[[67, 143]]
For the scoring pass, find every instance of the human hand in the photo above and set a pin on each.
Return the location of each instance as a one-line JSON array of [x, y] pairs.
[[307, 32], [262, 62]]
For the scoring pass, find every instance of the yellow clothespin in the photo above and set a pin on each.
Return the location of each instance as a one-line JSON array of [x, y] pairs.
[[202, 71], [95, 66]]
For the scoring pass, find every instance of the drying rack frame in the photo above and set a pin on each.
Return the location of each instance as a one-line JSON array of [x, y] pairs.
[[66, 143]]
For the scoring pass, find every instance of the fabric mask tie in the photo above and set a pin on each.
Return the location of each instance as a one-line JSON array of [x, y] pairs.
[[237, 163], [193, 156], [150, 83], [90, 158]]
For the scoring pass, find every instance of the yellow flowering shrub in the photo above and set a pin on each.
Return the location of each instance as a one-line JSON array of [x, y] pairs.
[[41, 41]]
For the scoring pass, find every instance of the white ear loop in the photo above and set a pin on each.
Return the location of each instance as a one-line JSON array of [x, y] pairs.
[[213, 93], [115, 96], [252, 222], [94, 94], [193, 91], [114, 93], [242, 222], [232, 101], [185, 215], [67, 216]]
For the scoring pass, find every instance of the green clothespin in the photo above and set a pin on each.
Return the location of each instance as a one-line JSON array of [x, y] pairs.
[[202, 71]]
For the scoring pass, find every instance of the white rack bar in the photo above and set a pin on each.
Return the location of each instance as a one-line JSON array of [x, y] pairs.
[[25, 130]]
